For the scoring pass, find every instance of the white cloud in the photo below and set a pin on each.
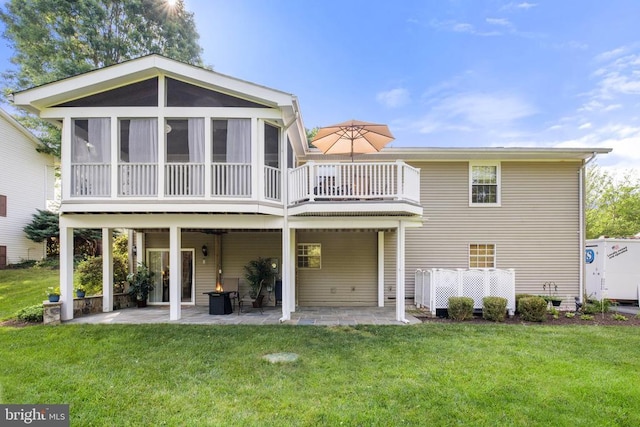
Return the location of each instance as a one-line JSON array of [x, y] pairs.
[[472, 111], [585, 126], [499, 21], [516, 6], [394, 98], [461, 27], [609, 55]]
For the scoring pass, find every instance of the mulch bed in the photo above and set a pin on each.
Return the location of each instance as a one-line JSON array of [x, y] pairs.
[[606, 319]]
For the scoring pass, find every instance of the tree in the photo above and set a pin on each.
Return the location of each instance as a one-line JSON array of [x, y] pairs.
[[52, 40], [613, 206], [45, 226], [311, 133]]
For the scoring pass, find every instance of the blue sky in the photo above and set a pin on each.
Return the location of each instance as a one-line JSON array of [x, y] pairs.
[[463, 73]]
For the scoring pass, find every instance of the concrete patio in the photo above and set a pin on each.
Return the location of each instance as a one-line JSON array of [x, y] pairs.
[[318, 316]]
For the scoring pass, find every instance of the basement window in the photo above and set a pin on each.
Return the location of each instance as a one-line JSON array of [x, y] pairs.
[[309, 255]]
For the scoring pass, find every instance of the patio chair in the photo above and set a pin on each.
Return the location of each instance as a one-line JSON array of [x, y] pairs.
[[232, 285]]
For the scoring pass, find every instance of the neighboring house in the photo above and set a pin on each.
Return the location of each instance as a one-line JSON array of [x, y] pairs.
[[212, 172], [27, 182]]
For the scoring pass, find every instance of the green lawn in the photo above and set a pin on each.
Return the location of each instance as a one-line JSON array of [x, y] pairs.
[[437, 374], [24, 287], [428, 374]]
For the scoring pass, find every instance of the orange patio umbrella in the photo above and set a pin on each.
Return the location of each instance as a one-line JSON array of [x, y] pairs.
[[352, 137]]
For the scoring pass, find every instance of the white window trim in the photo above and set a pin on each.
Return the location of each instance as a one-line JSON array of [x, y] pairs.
[[193, 274], [498, 165], [495, 256], [297, 255]]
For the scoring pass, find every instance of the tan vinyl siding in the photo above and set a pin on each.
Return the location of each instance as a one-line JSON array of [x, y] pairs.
[[349, 272], [535, 230], [241, 247], [390, 244]]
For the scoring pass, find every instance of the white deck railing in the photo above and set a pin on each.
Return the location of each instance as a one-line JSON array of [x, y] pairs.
[[184, 179], [272, 186], [90, 180], [138, 179], [349, 181], [231, 180], [434, 287]]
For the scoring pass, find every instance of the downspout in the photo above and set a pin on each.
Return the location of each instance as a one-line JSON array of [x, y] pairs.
[[582, 222], [286, 308]]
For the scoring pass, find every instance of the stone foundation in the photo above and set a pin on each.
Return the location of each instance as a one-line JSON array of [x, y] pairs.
[[93, 304]]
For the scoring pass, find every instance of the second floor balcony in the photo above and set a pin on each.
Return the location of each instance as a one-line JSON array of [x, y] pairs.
[[374, 187]]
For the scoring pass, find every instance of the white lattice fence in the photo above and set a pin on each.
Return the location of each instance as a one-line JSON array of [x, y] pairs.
[[435, 287]]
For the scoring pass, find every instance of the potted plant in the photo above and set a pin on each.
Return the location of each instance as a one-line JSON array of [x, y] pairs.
[[53, 293], [551, 297], [80, 291], [140, 284], [259, 274]]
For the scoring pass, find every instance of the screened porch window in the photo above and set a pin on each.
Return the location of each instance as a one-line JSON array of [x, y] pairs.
[[184, 174], [231, 156], [232, 141], [91, 157], [185, 140], [137, 171], [271, 146], [91, 141]]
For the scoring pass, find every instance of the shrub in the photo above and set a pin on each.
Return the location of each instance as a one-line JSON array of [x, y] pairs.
[[620, 317], [519, 297], [33, 314], [569, 315], [586, 317], [460, 308], [494, 308], [532, 309], [90, 273], [593, 306]]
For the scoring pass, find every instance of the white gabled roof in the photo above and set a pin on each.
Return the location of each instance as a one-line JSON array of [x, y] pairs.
[[103, 79]]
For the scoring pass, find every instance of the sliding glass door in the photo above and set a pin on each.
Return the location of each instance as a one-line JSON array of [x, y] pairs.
[[158, 262]]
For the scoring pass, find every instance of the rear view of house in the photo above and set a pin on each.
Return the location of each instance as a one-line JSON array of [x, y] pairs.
[[26, 183], [212, 172]]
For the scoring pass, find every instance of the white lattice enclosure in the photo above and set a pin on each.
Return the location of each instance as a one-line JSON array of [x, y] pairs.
[[434, 287]]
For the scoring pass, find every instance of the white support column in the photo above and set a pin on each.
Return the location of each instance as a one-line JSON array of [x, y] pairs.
[[65, 158], [66, 269], [208, 156], [400, 272], [140, 248], [257, 158], [380, 268], [284, 269], [162, 137], [107, 270], [291, 300], [175, 272], [115, 137]]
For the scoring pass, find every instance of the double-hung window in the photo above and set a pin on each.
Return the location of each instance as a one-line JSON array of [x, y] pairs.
[[484, 184], [309, 255]]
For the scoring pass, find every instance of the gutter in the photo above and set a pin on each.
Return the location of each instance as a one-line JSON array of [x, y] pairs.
[[582, 223]]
